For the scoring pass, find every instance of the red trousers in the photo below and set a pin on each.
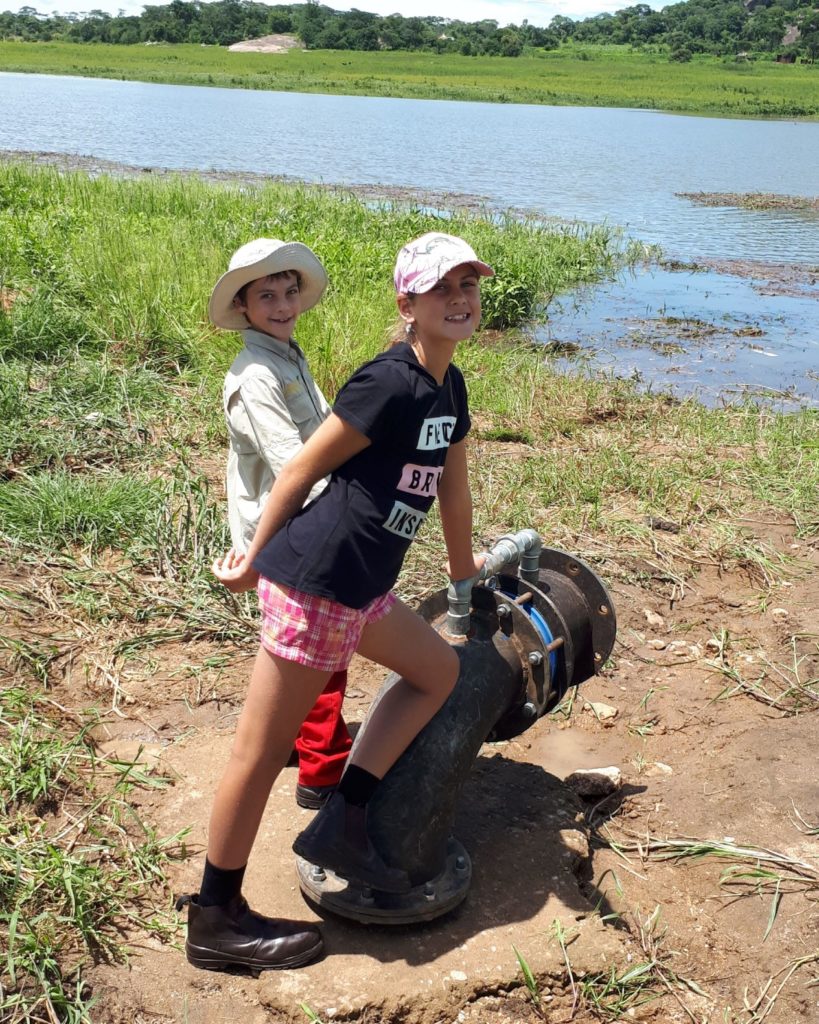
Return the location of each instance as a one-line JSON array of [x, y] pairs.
[[323, 741]]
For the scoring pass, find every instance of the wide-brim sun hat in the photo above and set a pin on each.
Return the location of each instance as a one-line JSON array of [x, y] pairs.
[[260, 258], [423, 262]]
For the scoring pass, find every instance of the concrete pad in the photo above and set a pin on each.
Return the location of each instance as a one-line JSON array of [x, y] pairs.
[[523, 830]]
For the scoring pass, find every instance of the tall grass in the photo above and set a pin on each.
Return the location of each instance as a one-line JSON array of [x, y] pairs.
[[128, 265], [611, 76]]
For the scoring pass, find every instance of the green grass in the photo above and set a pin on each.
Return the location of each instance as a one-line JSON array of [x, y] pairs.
[[588, 76], [111, 453], [77, 866]]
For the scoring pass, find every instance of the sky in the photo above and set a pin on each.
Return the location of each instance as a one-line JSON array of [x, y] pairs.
[[536, 12]]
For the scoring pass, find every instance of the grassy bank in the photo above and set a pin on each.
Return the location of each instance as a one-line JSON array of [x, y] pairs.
[[592, 76], [111, 455]]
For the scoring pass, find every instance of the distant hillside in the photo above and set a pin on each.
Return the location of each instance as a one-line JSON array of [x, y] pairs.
[[781, 29]]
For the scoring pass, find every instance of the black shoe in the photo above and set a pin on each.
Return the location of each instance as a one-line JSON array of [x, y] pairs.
[[337, 839], [234, 936], [313, 797]]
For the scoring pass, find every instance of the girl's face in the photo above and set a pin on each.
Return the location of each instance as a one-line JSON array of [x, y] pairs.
[[271, 305], [450, 311]]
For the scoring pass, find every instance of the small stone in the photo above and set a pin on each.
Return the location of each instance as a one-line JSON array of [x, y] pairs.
[[457, 975], [657, 644], [604, 712], [132, 751], [678, 647], [595, 781], [658, 768], [713, 646], [779, 613], [575, 843], [653, 619]]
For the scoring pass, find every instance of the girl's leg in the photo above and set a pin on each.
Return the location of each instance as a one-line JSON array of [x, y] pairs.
[[337, 837], [279, 697], [404, 643], [222, 930]]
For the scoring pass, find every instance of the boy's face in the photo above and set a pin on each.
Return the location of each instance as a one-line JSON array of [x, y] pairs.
[[271, 305]]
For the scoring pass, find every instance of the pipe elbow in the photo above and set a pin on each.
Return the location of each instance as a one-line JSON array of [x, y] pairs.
[[521, 548]]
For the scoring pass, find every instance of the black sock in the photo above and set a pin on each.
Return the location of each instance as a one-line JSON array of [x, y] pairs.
[[220, 885], [357, 785]]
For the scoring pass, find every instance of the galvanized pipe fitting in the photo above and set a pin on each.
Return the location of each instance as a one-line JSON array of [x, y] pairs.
[[522, 547]]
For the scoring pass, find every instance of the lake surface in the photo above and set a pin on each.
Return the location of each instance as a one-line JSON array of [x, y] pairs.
[[617, 166]]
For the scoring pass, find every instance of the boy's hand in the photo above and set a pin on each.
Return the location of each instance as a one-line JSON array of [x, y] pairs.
[[235, 572]]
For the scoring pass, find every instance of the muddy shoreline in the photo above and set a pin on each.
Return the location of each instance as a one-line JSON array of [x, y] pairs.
[[437, 199]]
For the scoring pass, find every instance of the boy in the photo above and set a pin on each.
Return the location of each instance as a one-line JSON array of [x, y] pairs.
[[272, 405]]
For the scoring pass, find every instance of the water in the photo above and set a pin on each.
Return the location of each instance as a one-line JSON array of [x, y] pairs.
[[711, 335], [623, 167]]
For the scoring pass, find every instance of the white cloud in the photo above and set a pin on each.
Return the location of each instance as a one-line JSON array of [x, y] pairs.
[[505, 12], [536, 12]]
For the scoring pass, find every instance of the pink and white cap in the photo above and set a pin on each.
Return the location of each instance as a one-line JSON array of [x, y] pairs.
[[422, 263]]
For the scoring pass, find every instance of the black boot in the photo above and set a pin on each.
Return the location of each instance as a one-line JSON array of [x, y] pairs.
[[233, 935], [337, 839]]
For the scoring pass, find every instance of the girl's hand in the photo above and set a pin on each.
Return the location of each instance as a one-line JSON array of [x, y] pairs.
[[235, 572], [478, 561]]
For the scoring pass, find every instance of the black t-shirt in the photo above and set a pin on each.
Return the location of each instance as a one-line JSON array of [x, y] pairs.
[[349, 543]]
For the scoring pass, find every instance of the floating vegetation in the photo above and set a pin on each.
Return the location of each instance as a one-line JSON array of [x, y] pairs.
[[752, 200]]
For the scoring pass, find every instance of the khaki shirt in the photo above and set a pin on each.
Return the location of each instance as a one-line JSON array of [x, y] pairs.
[[272, 405]]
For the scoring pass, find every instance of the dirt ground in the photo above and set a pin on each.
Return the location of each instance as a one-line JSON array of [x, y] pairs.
[[700, 757]]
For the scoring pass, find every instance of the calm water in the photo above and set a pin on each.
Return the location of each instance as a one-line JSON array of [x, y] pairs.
[[578, 163], [597, 164]]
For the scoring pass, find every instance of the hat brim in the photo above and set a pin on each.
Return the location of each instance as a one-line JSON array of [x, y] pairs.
[[425, 284], [289, 256]]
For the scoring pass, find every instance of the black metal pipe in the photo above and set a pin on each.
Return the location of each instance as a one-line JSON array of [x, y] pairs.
[[528, 642]]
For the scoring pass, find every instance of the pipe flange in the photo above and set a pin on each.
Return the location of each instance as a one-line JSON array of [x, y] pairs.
[[601, 614], [424, 902]]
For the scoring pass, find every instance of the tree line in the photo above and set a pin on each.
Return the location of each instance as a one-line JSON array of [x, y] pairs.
[[786, 28]]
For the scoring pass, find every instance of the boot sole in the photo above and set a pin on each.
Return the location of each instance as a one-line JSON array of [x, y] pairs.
[[352, 874], [311, 803], [208, 960]]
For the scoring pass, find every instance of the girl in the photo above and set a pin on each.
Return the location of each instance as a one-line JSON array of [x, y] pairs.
[[394, 440]]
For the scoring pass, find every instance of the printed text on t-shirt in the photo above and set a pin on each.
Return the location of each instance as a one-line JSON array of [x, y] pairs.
[[404, 521], [421, 480], [435, 433]]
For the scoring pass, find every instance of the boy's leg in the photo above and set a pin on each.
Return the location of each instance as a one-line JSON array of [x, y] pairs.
[[323, 744]]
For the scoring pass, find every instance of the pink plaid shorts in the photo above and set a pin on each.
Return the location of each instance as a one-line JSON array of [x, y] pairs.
[[314, 631]]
